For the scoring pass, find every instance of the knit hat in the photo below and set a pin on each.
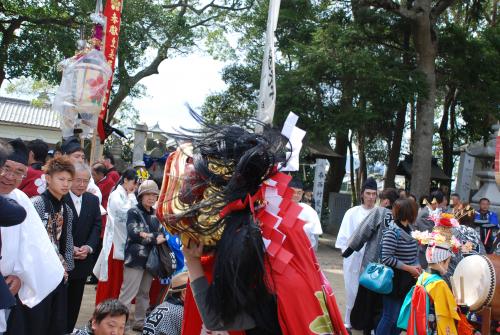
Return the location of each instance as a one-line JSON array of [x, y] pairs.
[[369, 184], [19, 152], [179, 282], [70, 145], [148, 186]]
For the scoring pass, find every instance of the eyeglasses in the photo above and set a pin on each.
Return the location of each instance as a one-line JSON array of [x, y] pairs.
[[81, 181], [6, 171]]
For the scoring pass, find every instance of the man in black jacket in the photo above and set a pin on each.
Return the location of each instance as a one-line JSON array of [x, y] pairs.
[[86, 231]]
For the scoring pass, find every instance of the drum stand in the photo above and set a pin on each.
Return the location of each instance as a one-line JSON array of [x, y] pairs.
[[486, 321]]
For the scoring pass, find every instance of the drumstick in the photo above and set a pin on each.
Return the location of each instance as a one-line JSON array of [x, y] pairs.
[[462, 290], [487, 236]]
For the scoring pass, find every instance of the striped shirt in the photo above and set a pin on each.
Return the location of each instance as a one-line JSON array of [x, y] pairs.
[[398, 247]]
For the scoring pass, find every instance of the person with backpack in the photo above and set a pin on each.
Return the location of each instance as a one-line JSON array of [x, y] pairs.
[[399, 250], [419, 314]]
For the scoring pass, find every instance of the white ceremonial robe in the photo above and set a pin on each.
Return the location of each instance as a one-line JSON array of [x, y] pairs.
[[352, 264], [312, 225], [115, 233], [28, 254]]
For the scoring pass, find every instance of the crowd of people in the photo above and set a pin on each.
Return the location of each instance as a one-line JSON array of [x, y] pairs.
[[389, 234], [65, 224], [63, 221]]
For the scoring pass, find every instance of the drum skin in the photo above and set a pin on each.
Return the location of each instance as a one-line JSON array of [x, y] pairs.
[[481, 279]]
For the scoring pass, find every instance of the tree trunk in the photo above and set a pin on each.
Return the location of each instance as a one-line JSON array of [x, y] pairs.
[[399, 126], [363, 166], [8, 36], [390, 175], [425, 44], [337, 167], [337, 171], [446, 134]]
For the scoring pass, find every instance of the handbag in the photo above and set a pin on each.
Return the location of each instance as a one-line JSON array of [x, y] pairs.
[[377, 277], [153, 265], [168, 262]]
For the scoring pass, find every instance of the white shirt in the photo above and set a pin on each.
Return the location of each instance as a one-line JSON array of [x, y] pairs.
[[312, 225], [77, 201]]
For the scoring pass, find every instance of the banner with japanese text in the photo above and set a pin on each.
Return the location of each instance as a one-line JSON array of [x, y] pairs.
[[112, 12], [267, 93]]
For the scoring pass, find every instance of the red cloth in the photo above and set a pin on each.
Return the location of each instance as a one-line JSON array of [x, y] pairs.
[[294, 268], [106, 186], [110, 289], [306, 304], [28, 185], [154, 292], [113, 175], [417, 323]]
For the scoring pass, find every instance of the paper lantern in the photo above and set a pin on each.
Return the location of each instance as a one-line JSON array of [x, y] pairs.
[[82, 90]]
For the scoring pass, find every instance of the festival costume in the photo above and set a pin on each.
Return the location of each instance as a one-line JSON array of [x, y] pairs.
[[113, 175], [430, 305], [351, 265], [109, 265], [31, 185], [106, 186], [40, 276], [223, 188]]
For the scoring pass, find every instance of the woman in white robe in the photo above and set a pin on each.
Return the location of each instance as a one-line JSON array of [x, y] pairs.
[[109, 266]]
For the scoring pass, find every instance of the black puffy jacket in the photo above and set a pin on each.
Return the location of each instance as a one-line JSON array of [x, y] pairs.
[[137, 249]]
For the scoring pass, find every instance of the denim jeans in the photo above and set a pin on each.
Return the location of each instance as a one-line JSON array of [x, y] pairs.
[[390, 314]]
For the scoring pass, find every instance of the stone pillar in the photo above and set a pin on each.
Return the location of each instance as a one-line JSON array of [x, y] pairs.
[[319, 184], [489, 188], [465, 177], [139, 142]]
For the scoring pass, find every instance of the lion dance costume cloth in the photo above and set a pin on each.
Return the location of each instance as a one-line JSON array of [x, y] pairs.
[[222, 187]]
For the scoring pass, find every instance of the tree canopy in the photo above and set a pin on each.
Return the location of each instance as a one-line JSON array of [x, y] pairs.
[[347, 68]]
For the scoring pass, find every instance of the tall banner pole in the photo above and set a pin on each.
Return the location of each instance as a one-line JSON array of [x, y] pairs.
[[267, 93], [497, 158], [112, 12]]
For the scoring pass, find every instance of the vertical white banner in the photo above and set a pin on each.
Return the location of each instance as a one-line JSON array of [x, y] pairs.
[[267, 93], [319, 184]]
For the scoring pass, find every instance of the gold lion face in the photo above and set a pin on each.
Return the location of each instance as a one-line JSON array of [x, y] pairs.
[[181, 191]]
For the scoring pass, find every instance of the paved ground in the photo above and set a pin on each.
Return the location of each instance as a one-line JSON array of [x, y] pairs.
[[331, 263]]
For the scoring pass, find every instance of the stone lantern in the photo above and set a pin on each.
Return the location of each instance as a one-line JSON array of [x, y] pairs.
[[489, 188]]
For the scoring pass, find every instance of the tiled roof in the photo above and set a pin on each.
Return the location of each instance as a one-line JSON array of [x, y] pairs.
[[22, 111]]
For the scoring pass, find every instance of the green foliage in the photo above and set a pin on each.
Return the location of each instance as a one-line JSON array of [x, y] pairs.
[[320, 48], [325, 50], [46, 33]]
